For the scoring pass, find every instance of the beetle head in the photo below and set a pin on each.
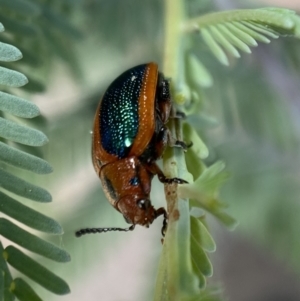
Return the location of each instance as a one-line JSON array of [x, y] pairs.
[[137, 210], [127, 185]]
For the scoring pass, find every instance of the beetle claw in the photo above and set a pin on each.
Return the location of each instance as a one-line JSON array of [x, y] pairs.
[[174, 180], [183, 145], [179, 114]]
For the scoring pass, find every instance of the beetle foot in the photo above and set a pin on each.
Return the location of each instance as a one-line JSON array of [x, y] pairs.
[[162, 211], [177, 143], [183, 145], [173, 180], [178, 181], [179, 114]]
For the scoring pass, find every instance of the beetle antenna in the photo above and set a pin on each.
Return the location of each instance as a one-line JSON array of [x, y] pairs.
[[100, 230]]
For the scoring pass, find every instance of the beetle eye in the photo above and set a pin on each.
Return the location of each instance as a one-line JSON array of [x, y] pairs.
[[143, 204]]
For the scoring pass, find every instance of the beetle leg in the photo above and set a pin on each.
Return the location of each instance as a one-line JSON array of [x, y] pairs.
[[161, 141], [177, 143], [155, 169]]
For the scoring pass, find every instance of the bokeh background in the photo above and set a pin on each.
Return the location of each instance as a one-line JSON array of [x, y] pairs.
[[251, 123]]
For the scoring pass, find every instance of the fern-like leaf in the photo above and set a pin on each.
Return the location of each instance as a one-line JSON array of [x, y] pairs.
[[17, 106], [32, 242], [21, 7], [229, 32], [11, 130], [23, 291], [9, 53], [43, 20], [35, 271]]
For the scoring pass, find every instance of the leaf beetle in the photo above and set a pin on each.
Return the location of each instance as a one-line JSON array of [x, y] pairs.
[[129, 136]]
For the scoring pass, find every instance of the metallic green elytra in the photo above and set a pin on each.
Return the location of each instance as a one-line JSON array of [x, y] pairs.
[[119, 120]]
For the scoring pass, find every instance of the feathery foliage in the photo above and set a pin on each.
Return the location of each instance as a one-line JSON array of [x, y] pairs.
[[12, 131]]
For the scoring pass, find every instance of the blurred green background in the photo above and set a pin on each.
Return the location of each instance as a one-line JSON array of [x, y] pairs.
[[251, 122]]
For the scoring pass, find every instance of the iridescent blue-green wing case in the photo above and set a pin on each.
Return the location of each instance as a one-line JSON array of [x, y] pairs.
[[119, 112]]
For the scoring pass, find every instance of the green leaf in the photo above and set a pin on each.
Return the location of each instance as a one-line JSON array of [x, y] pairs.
[[257, 36], [23, 291], [23, 160], [59, 22], [28, 216], [225, 218], [8, 296], [202, 193], [1, 27], [12, 78], [35, 86], [241, 35], [1, 284], [198, 147], [207, 184], [200, 258], [200, 276], [182, 94], [9, 53], [188, 282], [24, 7], [29, 58], [18, 106], [194, 103], [215, 208], [233, 39], [23, 188], [197, 73], [32, 242], [19, 28], [21, 134], [219, 37], [194, 165], [210, 294], [35, 271], [212, 178], [201, 235], [214, 47], [262, 29]]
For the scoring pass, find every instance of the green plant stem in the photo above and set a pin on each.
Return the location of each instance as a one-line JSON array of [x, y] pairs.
[[175, 278], [167, 283], [173, 18]]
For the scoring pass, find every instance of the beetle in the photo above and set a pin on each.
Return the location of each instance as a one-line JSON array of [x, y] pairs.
[[129, 136]]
